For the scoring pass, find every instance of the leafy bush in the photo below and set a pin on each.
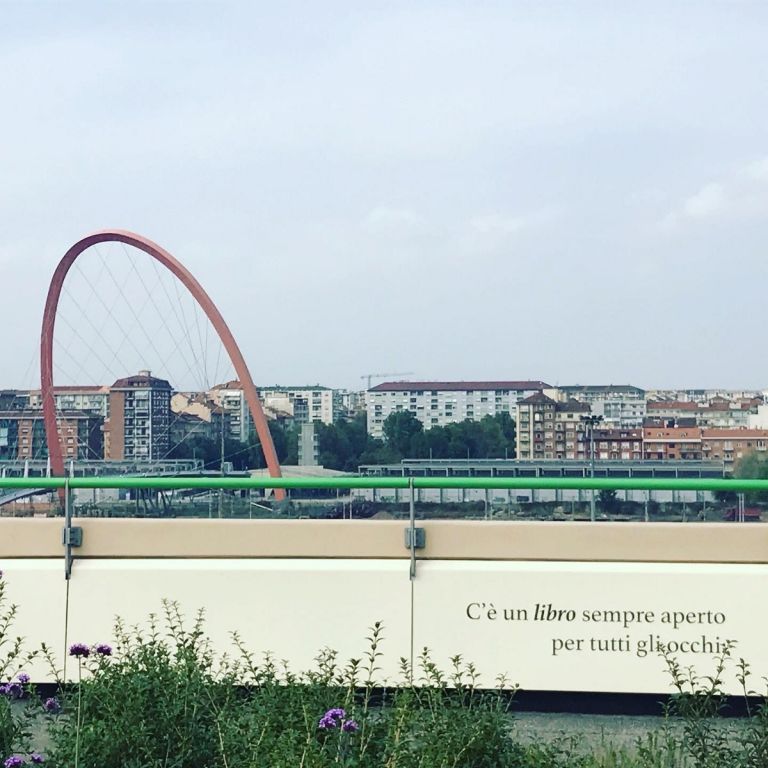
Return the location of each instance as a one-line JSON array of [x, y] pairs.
[[15, 716], [164, 700]]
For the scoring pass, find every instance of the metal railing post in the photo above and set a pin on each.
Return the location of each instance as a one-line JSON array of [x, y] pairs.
[[412, 514], [70, 536]]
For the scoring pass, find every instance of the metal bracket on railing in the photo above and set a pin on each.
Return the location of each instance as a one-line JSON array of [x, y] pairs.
[[71, 536], [415, 538]]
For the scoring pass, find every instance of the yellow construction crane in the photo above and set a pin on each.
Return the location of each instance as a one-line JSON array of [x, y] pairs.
[[370, 376]]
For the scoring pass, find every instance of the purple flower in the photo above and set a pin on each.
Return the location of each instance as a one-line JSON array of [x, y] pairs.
[[36, 758], [52, 705], [332, 718], [103, 649], [349, 726], [14, 761], [23, 678], [79, 650], [11, 690]]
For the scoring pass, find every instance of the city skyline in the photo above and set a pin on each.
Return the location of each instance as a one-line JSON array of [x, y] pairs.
[[463, 192]]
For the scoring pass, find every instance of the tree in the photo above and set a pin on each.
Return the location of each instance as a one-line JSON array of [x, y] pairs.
[[753, 466], [400, 429], [608, 500]]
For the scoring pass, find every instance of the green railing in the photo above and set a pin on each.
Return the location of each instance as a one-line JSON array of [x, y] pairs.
[[349, 483]]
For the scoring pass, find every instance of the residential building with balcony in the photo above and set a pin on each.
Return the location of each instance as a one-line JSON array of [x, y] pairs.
[[305, 404], [620, 406], [548, 429], [701, 395], [22, 435], [437, 403], [730, 445], [618, 444], [93, 398], [139, 421], [230, 397], [663, 443]]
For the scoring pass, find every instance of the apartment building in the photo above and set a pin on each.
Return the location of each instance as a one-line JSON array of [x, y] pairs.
[[664, 443], [193, 414], [717, 412], [620, 406], [230, 398], [730, 445], [139, 421], [305, 404], [93, 398], [22, 435], [437, 403], [701, 395], [548, 429], [618, 444]]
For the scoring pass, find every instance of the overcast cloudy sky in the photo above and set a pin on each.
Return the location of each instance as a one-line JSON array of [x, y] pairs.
[[576, 192]]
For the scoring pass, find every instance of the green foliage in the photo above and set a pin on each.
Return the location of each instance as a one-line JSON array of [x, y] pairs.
[[346, 445], [401, 430], [608, 500], [241, 456], [164, 700], [753, 465], [14, 715]]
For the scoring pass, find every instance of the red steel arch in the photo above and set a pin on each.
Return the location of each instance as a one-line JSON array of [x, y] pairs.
[[202, 298]]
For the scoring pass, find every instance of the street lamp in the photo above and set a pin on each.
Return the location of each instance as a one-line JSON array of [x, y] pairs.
[[590, 421]]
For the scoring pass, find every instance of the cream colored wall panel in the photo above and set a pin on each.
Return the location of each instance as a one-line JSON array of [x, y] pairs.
[[38, 588], [291, 607], [590, 626]]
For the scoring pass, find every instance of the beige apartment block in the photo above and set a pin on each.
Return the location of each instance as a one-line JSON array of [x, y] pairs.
[[547, 429], [730, 445]]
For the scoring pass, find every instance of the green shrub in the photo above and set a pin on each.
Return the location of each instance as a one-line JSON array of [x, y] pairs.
[[15, 714]]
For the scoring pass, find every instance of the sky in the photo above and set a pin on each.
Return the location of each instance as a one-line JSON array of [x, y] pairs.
[[575, 192]]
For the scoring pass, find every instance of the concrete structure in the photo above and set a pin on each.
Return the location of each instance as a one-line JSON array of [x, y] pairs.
[[506, 468], [547, 429], [308, 446], [638, 570], [139, 421], [437, 403]]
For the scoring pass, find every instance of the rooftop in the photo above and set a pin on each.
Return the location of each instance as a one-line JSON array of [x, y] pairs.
[[457, 386], [674, 405], [601, 388], [144, 379]]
